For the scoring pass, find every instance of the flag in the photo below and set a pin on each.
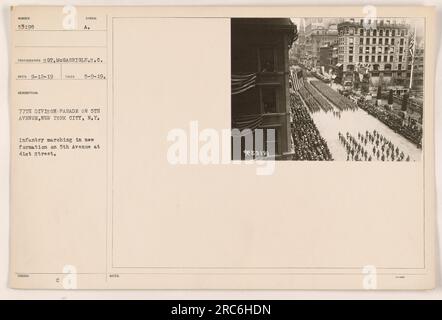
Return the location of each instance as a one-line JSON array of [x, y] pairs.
[[411, 43], [242, 83], [411, 48], [249, 121], [297, 81]]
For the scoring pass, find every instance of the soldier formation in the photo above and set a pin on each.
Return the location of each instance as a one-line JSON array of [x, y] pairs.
[[371, 146]]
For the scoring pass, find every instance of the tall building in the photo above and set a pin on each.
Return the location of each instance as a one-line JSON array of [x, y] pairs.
[[260, 78], [417, 81], [379, 48], [317, 35], [328, 57]]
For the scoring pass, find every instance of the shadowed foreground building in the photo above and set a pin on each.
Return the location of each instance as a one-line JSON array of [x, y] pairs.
[[260, 79]]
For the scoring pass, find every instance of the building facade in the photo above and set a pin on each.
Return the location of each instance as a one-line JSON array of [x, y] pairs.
[[379, 48], [317, 35], [260, 78], [328, 57]]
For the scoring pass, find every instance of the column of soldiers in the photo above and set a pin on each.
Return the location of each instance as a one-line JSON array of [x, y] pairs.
[[370, 146]]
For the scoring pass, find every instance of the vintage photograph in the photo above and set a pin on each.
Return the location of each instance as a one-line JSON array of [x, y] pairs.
[[345, 89]]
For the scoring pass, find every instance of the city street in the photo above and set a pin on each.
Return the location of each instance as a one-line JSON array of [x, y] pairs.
[[357, 121]]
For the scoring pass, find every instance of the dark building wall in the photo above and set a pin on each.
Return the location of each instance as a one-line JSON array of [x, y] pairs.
[[261, 46]]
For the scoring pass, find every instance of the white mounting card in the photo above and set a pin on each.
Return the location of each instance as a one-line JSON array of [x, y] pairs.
[[222, 147]]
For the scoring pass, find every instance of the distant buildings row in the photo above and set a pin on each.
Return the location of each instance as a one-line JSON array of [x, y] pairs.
[[380, 49]]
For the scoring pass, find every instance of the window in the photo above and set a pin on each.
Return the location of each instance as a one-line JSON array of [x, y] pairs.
[[361, 32], [393, 33], [366, 58], [374, 41], [367, 41], [402, 42], [385, 58], [350, 50], [387, 33], [360, 58], [350, 58], [269, 100], [391, 58], [380, 41], [399, 67], [392, 41], [267, 59], [373, 58], [402, 32], [400, 58], [361, 40], [401, 50], [386, 41], [381, 33], [361, 49], [379, 58], [373, 49], [374, 33]]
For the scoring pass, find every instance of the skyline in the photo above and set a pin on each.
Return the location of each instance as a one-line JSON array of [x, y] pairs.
[[327, 21]]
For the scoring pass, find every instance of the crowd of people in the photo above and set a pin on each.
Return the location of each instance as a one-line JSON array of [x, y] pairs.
[[308, 142], [314, 95], [323, 103], [341, 102], [371, 146], [412, 132]]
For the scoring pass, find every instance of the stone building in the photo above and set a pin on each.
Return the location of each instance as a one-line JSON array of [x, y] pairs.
[[379, 48]]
